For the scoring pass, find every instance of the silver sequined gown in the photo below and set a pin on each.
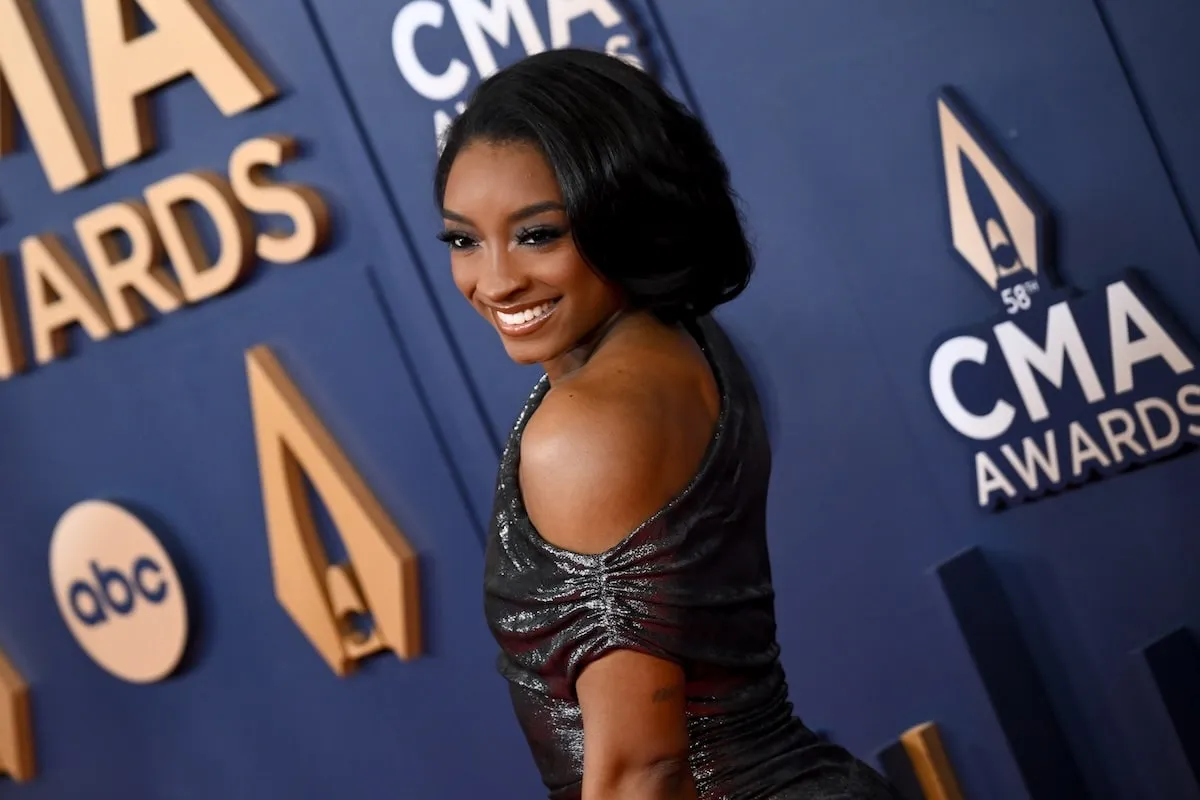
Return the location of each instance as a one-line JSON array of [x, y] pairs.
[[693, 585]]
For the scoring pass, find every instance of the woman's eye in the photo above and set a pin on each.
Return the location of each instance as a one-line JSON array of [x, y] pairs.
[[456, 241], [535, 237]]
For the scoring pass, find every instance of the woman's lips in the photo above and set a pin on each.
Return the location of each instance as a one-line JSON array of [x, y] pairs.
[[525, 321]]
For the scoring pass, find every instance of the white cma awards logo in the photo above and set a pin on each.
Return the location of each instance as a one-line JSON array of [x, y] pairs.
[[484, 23], [1064, 386], [118, 592]]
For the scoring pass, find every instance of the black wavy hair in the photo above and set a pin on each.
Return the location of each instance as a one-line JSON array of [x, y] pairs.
[[645, 189]]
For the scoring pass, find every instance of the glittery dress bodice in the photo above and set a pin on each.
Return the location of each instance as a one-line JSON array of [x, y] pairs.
[[692, 585]]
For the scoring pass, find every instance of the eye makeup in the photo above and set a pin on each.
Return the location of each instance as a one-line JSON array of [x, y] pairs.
[[539, 235], [535, 236], [456, 240]]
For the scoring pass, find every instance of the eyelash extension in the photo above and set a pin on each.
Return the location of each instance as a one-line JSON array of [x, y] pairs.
[[536, 236], [550, 233], [451, 237]]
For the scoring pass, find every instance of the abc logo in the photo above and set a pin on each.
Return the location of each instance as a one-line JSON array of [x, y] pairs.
[[118, 592], [109, 590]]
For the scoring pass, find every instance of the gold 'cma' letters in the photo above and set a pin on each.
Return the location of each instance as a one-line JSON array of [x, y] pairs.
[[381, 578], [188, 39], [16, 727]]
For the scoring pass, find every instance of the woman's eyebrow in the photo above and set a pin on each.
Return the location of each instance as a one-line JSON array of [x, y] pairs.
[[518, 215], [534, 209]]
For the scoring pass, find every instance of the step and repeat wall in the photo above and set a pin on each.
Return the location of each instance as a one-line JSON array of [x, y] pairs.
[[248, 431]]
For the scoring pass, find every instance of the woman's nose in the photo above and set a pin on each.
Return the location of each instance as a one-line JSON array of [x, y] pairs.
[[502, 278]]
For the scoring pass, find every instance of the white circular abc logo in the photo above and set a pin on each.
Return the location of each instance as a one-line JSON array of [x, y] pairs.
[[118, 591]]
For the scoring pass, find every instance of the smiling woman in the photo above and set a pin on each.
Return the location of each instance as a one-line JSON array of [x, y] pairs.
[[513, 255], [590, 222]]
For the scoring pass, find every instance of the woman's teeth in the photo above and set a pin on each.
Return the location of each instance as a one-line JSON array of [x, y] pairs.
[[522, 317]]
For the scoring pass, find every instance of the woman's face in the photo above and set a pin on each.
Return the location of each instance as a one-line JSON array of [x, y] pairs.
[[513, 256]]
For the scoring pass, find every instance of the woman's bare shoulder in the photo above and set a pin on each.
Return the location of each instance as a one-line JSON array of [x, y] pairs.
[[604, 452]]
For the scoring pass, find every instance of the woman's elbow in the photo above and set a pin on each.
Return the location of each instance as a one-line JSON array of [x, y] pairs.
[[667, 778]]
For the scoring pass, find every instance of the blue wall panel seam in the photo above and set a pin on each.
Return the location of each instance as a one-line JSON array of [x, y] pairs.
[[443, 445], [905, 414], [669, 50], [393, 207], [1160, 151]]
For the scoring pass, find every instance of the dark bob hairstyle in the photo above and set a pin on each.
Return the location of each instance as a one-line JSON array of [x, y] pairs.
[[646, 190]]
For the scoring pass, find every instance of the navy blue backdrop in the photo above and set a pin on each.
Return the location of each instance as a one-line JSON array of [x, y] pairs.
[[825, 111]]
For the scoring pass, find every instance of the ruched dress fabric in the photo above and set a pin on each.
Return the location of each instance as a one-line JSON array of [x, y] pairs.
[[692, 585]]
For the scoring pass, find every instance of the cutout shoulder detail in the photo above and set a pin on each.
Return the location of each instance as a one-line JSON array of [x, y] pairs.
[[510, 463]]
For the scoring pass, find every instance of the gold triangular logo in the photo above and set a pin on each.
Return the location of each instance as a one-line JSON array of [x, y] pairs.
[[381, 578], [994, 223], [16, 725]]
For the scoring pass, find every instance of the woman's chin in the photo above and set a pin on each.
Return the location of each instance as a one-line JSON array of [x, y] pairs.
[[524, 353]]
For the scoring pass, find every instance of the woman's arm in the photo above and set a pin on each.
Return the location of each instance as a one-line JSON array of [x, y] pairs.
[[594, 465], [635, 742]]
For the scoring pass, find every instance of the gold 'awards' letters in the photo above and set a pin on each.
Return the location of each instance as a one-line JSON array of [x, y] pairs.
[[188, 39], [381, 579], [16, 727]]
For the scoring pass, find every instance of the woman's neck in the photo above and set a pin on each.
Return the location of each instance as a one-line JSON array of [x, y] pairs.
[[565, 365]]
